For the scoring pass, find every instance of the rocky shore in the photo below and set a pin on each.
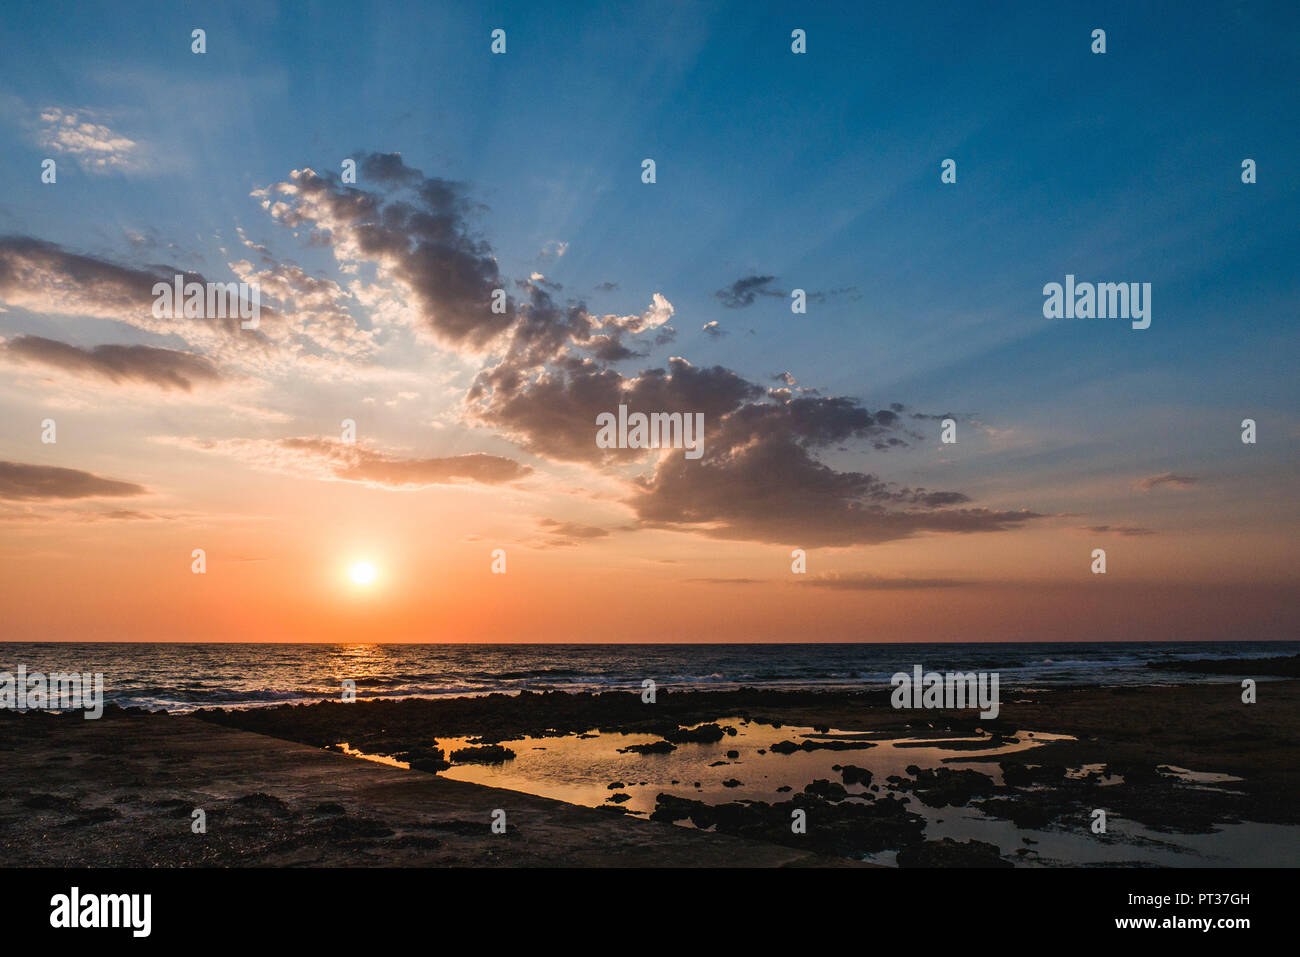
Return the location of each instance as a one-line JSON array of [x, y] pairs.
[[275, 789]]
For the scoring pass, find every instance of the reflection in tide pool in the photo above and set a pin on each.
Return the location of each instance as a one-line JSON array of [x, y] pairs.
[[580, 769]]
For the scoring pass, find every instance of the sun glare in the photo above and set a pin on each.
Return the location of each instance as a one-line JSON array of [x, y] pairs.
[[363, 573]]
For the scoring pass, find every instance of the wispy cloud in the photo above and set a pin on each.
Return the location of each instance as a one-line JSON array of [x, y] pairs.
[[333, 460], [1124, 530], [20, 481], [1169, 479], [744, 292], [95, 147], [878, 583], [163, 368]]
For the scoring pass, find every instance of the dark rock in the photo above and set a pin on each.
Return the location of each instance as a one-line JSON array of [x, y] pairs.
[[487, 754], [789, 747], [264, 803], [942, 787], [98, 815], [351, 828], [655, 747], [845, 828], [827, 790], [1024, 775], [852, 774], [704, 734], [950, 853]]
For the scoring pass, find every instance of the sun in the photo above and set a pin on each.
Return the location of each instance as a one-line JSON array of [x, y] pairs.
[[363, 573]]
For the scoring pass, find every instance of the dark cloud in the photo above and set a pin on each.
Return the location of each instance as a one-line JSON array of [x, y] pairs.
[[354, 463], [123, 515], [940, 416], [877, 583], [333, 460], [387, 168], [419, 229], [46, 278], [1126, 530], [554, 414], [759, 478], [773, 490], [609, 348], [19, 481], [164, 368], [572, 529], [1170, 479], [743, 292]]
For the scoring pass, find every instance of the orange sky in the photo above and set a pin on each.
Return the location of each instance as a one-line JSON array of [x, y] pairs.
[[279, 550]]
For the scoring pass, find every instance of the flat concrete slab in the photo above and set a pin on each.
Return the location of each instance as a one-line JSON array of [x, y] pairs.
[[123, 792]]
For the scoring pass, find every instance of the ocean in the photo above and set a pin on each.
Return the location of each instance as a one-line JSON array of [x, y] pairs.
[[182, 677]]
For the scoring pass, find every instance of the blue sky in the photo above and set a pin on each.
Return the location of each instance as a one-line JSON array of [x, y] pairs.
[[821, 171]]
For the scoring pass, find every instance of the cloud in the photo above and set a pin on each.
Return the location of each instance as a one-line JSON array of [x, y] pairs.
[[774, 491], [44, 278], [759, 480], [1170, 479], [94, 146], [555, 412], [655, 315], [713, 330], [549, 376], [302, 320], [838, 582], [418, 233], [315, 309], [164, 368], [333, 460], [877, 583], [743, 292], [19, 481], [572, 530], [1125, 530], [128, 515]]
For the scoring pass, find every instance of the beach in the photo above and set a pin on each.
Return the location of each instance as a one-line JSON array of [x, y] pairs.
[[1185, 774]]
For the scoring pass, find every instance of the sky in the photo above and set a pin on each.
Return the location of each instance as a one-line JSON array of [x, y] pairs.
[[825, 505]]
